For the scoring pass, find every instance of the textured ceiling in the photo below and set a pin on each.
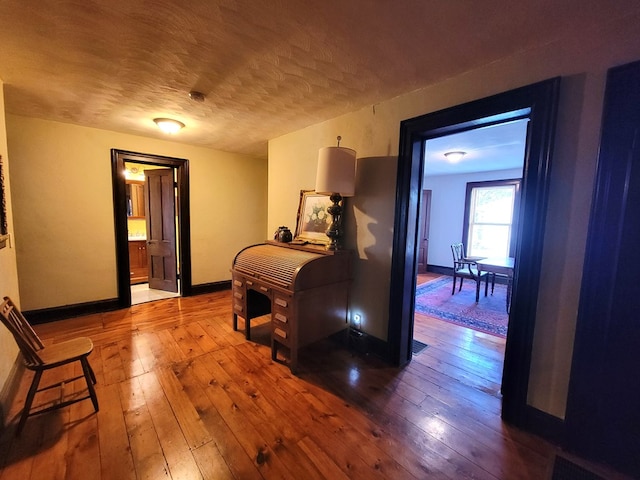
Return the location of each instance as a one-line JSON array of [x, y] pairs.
[[266, 67]]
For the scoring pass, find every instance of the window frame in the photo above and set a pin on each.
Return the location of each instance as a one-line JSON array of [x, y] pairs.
[[516, 210]]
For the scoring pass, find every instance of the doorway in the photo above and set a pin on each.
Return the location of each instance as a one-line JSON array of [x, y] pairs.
[[162, 260], [538, 103], [151, 230], [475, 198]]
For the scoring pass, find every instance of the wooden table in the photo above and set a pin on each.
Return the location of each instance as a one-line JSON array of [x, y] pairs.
[[501, 266]]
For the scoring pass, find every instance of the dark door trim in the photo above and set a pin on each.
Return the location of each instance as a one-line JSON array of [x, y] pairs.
[[538, 103], [602, 415], [118, 158]]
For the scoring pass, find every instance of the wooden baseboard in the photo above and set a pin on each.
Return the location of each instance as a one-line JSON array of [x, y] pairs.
[[367, 344], [46, 315], [69, 311], [210, 287]]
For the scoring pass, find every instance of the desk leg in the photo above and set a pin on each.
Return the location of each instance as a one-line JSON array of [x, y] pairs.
[[247, 328]]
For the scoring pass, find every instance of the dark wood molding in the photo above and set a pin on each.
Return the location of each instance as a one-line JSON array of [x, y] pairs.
[[118, 158], [538, 103], [366, 344], [545, 425], [53, 314], [46, 315], [203, 288], [602, 415]]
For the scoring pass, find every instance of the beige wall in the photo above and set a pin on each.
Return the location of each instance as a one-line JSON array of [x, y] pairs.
[[374, 133], [63, 208], [8, 270]]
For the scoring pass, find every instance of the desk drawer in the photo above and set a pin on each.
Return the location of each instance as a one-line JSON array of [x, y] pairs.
[[258, 287], [281, 335], [282, 307]]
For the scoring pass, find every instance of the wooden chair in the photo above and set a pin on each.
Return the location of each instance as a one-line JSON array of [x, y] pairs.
[[39, 358], [466, 267]]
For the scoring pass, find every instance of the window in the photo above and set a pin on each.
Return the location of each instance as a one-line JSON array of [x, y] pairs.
[[491, 218]]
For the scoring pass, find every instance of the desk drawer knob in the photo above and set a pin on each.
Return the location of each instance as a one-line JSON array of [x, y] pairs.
[[239, 308], [238, 295], [264, 289], [237, 283], [282, 302], [281, 317]]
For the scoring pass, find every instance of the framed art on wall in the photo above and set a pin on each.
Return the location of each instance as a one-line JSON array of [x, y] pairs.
[[4, 229], [313, 219]]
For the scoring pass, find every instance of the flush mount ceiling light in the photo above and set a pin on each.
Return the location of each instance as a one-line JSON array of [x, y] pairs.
[[168, 125], [454, 157]]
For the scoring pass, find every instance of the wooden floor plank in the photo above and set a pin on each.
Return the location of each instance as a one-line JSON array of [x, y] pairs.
[[211, 463], [115, 453], [178, 455], [148, 458], [83, 448]]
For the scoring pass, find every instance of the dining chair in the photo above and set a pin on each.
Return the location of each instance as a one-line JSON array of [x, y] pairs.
[[466, 267], [38, 358]]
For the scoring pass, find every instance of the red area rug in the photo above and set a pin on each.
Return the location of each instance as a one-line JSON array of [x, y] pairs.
[[489, 315]]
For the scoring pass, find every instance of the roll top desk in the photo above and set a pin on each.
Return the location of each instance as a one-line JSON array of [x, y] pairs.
[[304, 288]]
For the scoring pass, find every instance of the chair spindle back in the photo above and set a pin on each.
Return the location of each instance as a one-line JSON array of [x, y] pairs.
[[26, 338]]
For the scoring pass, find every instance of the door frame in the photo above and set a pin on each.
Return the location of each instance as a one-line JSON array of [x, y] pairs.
[[537, 102], [602, 393], [118, 158]]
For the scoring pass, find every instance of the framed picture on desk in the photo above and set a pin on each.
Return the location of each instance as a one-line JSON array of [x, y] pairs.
[[313, 219]]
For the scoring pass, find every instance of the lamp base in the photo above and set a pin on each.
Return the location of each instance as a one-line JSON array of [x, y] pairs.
[[335, 229]]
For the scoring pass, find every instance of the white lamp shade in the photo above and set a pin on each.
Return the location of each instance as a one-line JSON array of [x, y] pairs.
[[336, 171]]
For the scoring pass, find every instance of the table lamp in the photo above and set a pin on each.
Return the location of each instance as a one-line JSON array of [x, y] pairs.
[[336, 177]]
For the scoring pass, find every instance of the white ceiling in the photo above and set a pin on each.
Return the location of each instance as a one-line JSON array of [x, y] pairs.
[[266, 67], [497, 147]]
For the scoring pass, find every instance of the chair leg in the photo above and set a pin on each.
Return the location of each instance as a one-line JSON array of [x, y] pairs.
[[29, 401], [93, 375], [486, 286], [461, 280], [90, 377], [453, 290]]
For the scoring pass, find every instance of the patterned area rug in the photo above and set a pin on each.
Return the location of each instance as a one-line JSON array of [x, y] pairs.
[[489, 315]]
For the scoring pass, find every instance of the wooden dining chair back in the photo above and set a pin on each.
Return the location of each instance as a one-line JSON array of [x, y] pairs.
[[466, 267], [38, 358]]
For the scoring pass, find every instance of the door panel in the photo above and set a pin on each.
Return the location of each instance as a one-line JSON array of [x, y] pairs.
[[161, 229]]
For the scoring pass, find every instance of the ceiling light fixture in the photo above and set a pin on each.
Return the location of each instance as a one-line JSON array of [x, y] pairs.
[[168, 125], [455, 157]]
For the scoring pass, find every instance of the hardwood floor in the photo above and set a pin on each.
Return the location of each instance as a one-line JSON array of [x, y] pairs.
[[183, 396]]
